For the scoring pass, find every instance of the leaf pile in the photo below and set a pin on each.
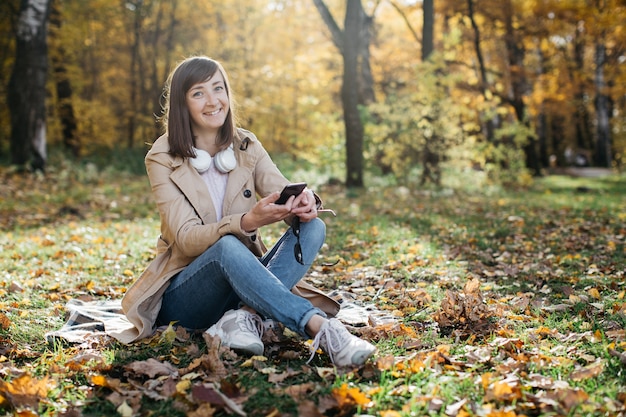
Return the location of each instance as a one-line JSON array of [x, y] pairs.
[[464, 313]]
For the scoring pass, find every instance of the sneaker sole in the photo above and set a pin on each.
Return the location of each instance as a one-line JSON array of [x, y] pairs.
[[361, 357], [255, 349]]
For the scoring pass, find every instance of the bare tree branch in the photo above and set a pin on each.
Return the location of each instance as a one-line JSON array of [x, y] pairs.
[[335, 31]]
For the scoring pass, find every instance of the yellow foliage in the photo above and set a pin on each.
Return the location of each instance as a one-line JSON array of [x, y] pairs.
[[350, 396]]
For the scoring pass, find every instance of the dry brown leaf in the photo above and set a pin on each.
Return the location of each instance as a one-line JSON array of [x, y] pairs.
[[211, 360], [209, 393], [152, 368], [76, 362], [25, 391], [277, 378], [299, 391], [5, 323], [569, 398], [307, 408], [590, 371], [205, 410]]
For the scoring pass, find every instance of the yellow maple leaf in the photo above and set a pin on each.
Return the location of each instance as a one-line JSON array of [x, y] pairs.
[[349, 396]]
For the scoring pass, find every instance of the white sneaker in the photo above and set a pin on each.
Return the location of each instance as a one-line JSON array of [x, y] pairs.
[[343, 348], [240, 330]]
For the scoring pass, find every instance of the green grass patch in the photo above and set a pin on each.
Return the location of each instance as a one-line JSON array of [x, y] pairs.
[[542, 336]]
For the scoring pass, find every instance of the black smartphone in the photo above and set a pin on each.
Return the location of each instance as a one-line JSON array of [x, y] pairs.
[[289, 190]]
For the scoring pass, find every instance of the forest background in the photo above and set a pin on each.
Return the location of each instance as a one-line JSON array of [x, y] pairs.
[[505, 302], [506, 89]]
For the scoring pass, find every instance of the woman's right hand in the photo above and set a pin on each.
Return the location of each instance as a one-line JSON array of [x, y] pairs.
[[266, 212]]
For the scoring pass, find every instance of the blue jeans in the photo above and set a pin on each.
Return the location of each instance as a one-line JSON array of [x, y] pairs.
[[227, 275]]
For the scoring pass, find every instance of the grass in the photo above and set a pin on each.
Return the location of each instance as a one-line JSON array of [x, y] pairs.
[[550, 262]]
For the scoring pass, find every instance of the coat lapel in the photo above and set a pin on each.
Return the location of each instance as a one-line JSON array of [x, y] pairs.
[[238, 178], [195, 190]]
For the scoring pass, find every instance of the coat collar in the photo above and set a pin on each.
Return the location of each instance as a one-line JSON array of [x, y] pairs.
[[190, 183]]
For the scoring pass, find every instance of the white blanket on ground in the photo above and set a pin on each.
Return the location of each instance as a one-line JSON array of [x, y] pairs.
[[90, 320]]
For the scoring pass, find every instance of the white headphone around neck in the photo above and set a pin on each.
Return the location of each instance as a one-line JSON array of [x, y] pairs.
[[224, 160]]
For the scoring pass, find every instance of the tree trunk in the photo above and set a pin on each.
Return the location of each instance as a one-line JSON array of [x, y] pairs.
[[135, 71], [357, 88], [430, 157], [366, 80], [484, 83], [542, 125], [584, 136], [516, 52], [65, 108], [350, 95], [162, 45], [27, 86], [603, 142], [428, 42]]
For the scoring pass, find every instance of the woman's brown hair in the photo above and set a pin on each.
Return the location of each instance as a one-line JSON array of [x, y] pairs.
[[176, 119]]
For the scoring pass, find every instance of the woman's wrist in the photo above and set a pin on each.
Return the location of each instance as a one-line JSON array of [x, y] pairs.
[[246, 224]]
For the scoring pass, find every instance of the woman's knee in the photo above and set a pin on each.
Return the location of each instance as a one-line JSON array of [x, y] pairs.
[[315, 226], [229, 245], [314, 232]]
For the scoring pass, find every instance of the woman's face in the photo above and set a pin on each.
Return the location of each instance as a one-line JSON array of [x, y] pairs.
[[208, 105]]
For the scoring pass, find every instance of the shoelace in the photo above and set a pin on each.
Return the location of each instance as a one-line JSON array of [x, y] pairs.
[[250, 322], [334, 343]]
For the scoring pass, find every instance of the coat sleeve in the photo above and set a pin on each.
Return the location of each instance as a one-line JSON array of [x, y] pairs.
[[268, 178], [180, 220]]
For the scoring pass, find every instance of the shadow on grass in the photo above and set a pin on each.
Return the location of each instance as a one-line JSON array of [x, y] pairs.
[[563, 233]]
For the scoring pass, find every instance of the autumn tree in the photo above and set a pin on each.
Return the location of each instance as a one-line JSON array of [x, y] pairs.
[[357, 84], [27, 86], [9, 12], [64, 91], [528, 81]]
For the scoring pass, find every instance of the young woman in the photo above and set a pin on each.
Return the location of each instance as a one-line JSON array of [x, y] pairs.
[[212, 270]]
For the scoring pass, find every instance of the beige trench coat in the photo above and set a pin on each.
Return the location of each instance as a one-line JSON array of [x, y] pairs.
[[189, 225]]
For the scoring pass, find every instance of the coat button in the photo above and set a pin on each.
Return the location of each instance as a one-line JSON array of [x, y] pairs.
[[247, 193]]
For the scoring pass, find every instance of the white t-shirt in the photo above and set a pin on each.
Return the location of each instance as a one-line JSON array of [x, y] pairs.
[[216, 183]]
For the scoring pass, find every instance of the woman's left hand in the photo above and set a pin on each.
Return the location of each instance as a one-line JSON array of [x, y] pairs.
[[304, 206]]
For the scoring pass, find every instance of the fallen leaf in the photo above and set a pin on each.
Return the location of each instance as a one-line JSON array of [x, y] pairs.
[[205, 410], [299, 391], [307, 408], [152, 368], [5, 323], [208, 392], [25, 391], [453, 409], [589, 371], [350, 396], [124, 410]]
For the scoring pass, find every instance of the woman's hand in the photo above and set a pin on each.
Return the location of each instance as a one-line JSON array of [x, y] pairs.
[[304, 206], [266, 212]]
